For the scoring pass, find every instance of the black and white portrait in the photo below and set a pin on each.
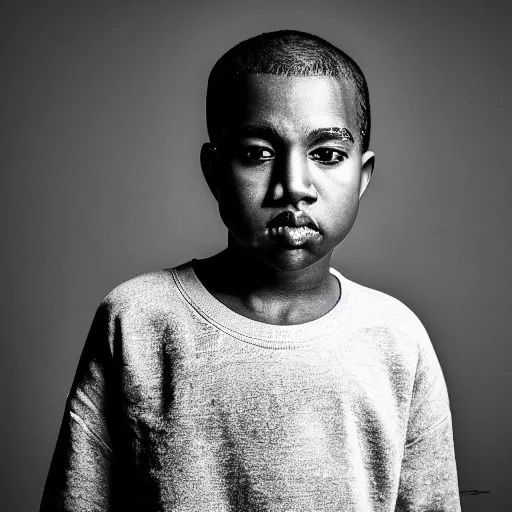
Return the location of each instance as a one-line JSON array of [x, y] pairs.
[[256, 256]]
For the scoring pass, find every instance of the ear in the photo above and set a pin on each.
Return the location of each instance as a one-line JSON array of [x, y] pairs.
[[209, 161], [367, 165]]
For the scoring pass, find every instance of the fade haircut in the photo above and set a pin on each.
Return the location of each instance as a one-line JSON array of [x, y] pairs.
[[284, 53]]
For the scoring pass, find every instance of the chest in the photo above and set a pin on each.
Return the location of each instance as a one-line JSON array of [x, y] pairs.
[[272, 396]]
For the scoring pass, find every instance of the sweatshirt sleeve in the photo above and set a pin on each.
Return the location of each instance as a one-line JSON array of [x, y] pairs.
[[79, 478], [428, 478]]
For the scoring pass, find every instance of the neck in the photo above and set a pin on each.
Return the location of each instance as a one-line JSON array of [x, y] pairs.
[[248, 274], [259, 291]]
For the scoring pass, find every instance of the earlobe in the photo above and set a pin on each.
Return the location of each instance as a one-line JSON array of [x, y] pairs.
[[367, 166], [208, 165]]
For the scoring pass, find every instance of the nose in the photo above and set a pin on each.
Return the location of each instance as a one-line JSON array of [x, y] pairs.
[[293, 182]]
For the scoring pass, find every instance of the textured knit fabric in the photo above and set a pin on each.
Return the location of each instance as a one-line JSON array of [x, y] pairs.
[[180, 404]]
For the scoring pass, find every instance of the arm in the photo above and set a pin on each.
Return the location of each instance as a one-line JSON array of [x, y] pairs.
[[428, 478], [79, 476]]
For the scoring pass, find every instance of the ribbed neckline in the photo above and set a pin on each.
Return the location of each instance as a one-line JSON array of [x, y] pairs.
[[253, 331]]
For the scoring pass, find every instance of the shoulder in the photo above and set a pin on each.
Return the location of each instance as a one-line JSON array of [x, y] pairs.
[[149, 290], [147, 310], [375, 308], [394, 330], [386, 319]]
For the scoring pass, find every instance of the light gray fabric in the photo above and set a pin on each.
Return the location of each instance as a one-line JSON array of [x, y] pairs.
[[180, 404]]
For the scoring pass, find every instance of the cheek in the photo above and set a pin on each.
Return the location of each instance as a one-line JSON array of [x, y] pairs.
[[240, 201], [342, 208], [350, 212]]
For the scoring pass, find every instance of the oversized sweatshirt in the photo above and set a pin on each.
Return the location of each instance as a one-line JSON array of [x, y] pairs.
[[180, 404]]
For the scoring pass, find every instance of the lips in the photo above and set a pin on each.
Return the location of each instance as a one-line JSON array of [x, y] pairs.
[[293, 219], [293, 229]]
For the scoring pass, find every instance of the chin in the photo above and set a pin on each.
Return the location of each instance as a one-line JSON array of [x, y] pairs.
[[290, 260], [274, 256]]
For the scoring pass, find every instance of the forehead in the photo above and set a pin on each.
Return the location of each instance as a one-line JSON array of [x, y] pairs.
[[295, 103]]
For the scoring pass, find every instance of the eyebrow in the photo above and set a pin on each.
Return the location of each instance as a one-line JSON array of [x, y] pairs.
[[267, 132], [334, 132], [258, 130]]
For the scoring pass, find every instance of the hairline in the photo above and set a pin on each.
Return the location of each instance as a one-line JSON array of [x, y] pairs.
[[239, 61], [338, 77]]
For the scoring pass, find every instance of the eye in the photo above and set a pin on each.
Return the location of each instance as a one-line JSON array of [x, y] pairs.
[[256, 154], [328, 156]]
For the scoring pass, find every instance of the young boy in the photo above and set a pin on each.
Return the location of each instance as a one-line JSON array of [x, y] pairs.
[[260, 379]]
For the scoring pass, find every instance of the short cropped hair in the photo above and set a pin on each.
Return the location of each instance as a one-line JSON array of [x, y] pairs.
[[284, 53]]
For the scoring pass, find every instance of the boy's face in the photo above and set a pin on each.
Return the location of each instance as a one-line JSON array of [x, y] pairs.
[[289, 172]]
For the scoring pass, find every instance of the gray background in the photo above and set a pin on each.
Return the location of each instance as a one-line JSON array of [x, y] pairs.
[[102, 120]]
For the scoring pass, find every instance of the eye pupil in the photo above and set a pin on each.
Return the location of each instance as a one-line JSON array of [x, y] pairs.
[[258, 154], [322, 155], [328, 156]]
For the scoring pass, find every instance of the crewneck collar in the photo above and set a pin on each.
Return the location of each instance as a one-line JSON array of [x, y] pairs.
[[253, 331]]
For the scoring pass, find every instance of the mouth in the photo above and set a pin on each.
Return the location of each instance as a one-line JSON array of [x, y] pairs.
[[293, 228], [293, 236]]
